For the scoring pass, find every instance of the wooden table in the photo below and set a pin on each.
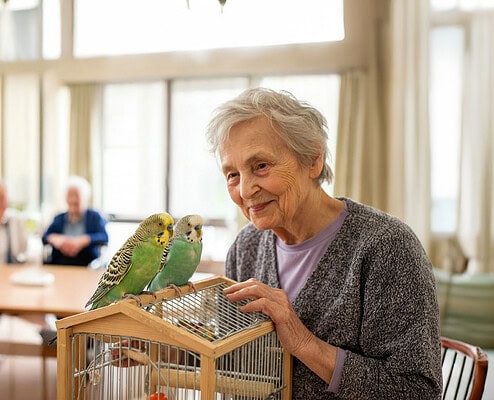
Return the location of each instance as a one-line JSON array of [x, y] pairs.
[[67, 295]]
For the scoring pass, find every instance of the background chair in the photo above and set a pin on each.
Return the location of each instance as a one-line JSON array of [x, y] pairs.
[[464, 369]]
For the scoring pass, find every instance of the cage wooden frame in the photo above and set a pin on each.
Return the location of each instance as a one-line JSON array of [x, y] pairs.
[[128, 317]]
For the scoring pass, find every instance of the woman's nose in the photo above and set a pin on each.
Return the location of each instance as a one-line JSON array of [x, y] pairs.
[[248, 186]]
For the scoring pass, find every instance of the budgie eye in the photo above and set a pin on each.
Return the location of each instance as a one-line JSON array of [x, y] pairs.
[[198, 227]]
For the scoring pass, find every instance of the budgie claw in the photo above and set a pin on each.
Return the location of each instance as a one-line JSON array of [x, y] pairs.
[[192, 286], [151, 293], [177, 289], [133, 296]]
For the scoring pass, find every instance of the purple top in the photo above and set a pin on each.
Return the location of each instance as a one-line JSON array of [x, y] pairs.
[[297, 262]]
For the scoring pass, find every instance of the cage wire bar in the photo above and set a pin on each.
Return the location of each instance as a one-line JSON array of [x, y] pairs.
[[107, 366], [207, 314]]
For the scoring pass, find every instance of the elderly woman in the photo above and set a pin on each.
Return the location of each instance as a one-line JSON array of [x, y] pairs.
[[76, 236], [348, 287]]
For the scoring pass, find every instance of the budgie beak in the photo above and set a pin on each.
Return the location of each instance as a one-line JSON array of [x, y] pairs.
[[198, 229], [160, 237]]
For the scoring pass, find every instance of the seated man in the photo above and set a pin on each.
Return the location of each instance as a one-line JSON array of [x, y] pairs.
[[76, 236]]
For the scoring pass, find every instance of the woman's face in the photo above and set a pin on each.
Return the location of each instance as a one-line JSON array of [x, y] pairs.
[[74, 205], [264, 178]]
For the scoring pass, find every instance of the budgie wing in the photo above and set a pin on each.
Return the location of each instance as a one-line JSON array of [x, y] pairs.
[[164, 256], [163, 261], [118, 267], [181, 263]]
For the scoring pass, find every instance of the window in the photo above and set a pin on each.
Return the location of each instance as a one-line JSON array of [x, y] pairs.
[[19, 30], [51, 29], [133, 142], [447, 47], [136, 153], [151, 26], [21, 25], [196, 184]]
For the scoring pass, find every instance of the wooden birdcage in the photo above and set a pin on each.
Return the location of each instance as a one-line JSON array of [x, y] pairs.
[[195, 346]]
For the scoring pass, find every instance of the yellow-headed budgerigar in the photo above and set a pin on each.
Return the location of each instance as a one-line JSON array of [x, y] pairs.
[[182, 255], [135, 264]]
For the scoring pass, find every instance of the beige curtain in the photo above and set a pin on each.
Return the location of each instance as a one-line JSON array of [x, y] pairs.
[[85, 104], [360, 161], [348, 162], [476, 211], [360, 164], [383, 156], [408, 118], [21, 140]]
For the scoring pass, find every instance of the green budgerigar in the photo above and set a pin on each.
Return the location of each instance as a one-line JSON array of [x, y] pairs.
[[182, 255], [135, 264]]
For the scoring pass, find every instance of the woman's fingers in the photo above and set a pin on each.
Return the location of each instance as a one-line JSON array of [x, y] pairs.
[[250, 289], [240, 286], [120, 353], [275, 304], [272, 302]]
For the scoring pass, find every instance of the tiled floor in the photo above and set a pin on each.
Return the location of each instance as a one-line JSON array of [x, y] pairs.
[[21, 377]]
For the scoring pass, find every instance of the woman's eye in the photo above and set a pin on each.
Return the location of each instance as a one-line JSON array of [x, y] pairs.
[[262, 165]]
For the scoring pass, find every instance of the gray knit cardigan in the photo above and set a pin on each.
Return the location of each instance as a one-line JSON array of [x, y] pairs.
[[373, 295]]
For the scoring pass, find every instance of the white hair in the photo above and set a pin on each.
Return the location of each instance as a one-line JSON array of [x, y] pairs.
[[82, 186], [301, 126]]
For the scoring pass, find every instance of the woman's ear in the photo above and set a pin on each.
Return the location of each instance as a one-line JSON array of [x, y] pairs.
[[316, 167]]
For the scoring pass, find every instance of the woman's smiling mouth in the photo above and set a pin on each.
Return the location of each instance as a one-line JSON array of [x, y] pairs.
[[258, 207]]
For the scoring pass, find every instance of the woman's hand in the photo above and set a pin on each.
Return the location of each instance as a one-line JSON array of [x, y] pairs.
[[295, 338], [293, 334], [122, 353], [69, 245], [136, 352]]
